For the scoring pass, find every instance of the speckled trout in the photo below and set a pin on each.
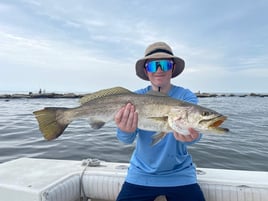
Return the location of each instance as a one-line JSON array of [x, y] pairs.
[[157, 112]]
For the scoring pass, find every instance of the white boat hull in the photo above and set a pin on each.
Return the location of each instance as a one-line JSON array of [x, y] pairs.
[[28, 179]]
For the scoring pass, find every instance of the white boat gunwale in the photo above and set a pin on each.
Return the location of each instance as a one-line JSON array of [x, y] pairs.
[[33, 179]]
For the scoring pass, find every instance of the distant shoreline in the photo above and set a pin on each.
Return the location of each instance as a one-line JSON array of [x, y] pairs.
[[73, 95]]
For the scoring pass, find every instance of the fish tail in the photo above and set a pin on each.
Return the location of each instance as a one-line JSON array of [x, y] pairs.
[[158, 137], [51, 122]]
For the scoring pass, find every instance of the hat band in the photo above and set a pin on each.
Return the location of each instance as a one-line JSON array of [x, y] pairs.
[[159, 50]]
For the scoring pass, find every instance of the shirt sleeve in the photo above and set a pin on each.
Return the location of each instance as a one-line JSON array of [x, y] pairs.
[[189, 96], [125, 137]]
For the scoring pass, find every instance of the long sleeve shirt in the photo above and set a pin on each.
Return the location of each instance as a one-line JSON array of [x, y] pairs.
[[167, 163]]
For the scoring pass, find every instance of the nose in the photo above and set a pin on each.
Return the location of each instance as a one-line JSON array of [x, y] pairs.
[[159, 68]]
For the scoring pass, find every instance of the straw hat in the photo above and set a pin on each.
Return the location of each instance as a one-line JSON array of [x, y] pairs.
[[159, 50]]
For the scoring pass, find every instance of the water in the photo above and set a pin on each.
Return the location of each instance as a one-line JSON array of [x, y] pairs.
[[244, 148]]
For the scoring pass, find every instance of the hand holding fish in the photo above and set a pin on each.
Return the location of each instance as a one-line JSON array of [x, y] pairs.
[[126, 118], [193, 135]]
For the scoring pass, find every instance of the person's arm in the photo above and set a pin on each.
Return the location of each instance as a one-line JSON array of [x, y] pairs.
[[127, 138], [126, 120], [190, 97]]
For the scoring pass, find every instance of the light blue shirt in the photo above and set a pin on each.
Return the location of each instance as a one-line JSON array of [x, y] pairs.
[[165, 164]]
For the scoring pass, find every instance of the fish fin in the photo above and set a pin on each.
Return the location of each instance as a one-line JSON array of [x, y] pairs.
[[102, 93], [49, 123], [156, 93], [96, 124], [158, 137]]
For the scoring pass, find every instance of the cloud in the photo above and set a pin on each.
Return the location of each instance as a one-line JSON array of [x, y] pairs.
[[71, 45]]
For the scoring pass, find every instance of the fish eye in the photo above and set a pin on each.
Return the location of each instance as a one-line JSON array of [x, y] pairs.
[[205, 113]]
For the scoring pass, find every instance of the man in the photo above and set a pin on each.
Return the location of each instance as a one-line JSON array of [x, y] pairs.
[[165, 168]]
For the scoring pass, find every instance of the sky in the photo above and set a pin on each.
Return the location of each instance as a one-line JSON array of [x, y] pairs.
[[88, 45]]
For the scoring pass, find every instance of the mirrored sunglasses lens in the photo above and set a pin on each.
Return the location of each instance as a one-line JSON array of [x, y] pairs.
[[151, 67], [165, 65]]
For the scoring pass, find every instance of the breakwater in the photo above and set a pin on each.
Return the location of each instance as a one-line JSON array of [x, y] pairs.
[[74, 95]]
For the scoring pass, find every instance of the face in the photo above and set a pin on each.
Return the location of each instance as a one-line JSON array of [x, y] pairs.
[[159, 78]]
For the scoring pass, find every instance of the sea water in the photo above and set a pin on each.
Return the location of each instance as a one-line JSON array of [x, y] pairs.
[[245, 147]]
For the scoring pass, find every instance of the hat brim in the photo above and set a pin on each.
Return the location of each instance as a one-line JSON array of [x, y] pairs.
[[179, 67]]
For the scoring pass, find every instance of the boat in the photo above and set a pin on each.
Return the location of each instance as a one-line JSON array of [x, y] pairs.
[[37, 179]]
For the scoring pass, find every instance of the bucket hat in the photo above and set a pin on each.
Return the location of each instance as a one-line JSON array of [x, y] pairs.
[[159, 50]]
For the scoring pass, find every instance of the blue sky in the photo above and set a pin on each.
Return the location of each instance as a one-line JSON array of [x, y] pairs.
[[87, 45]]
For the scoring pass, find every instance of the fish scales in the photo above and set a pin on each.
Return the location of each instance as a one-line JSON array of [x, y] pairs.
[[157, 112]]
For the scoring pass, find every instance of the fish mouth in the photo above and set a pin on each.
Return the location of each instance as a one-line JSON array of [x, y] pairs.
[[214, 122], [217, 121]]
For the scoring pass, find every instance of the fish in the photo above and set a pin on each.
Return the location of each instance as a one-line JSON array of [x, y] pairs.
[[156, 112]]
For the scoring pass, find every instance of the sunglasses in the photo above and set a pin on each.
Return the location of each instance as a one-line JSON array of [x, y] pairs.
[[152, 66]]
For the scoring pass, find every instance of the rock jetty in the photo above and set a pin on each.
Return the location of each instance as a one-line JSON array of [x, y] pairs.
[[209, 95], [73, 95], [43, 95]]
